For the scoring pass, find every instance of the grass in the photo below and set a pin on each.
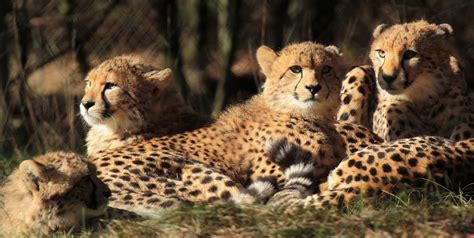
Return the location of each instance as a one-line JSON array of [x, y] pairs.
[[409, 214], [419, 213]]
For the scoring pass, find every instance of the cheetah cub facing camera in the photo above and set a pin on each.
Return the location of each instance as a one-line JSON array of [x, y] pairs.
[[127, 101], [51, 192]]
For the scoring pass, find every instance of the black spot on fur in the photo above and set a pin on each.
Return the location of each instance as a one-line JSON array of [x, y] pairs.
[[225, 195], [386, 168], [373, 171], [352, 79], [349, 179], [344, 117], [396, 157], [370, 160], [347, 99], [413, 162], [403, 171]]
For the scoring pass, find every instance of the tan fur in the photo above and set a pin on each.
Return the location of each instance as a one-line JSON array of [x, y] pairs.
[[140, 104], [212, 163], [51, 192], [428, 95], [395, 165]]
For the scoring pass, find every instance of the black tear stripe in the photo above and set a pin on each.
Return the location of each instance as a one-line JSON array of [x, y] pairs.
[[326, 84], [107, 113], [405, 74], [299, 80]]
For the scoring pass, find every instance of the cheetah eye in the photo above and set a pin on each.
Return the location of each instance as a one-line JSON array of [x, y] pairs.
[[409, 54], [109, 85], [326, 69], [296, 69], [381, 53], [88, 84]]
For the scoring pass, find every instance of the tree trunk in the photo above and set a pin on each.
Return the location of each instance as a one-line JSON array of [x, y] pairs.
[[228, 31], [167, 23]]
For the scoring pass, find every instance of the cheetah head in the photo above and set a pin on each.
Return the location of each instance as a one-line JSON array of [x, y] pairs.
[[302, 78], [119, 91], [411, 59], [53, 192]]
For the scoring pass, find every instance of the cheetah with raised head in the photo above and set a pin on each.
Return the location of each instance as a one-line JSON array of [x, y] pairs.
[[420, 89], [298, 102], [385, 167], [51, 192], [127, 100]]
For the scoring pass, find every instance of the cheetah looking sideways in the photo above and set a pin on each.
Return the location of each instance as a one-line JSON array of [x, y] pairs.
[[127, 101], [51, 192], [303, 81], [420, 87]]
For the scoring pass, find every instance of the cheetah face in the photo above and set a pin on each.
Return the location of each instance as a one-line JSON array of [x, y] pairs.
[[410, 57], [302, 77], [65, 188], [115, 97], [104, 100]]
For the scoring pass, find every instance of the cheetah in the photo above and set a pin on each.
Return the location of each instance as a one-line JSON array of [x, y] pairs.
[[51, 192], [415, 87], [124, 100], [381, 168], [127, 101], [299, 102]]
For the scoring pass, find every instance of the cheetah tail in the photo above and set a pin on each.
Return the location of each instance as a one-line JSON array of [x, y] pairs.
[[290, 200], [285, 153], [258, 191], [298, 184]]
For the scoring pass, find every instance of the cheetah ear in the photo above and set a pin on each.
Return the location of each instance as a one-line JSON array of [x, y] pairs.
[[161, 78], [379, 29], [444, 30], [33, 173], [265, 58], [333, 49]]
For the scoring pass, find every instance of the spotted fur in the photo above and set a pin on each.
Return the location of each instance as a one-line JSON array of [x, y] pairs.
[[127, 100], [420, 88], [218, 161], [387, 167]]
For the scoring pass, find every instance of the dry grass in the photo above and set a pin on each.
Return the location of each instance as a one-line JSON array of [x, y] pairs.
[[419, 213], [442, 215]]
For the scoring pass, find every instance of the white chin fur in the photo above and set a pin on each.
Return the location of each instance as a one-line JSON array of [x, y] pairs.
[[90, 119], [422, 87], [306, 105]]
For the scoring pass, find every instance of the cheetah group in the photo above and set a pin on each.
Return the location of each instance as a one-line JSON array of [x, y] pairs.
[[318, 134]]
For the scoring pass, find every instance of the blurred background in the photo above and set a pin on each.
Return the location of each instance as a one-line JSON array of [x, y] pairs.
[[47, 47]]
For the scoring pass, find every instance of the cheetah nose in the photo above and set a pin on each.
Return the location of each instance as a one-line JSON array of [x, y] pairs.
[[388, 78], [88, 104], [313, 89]]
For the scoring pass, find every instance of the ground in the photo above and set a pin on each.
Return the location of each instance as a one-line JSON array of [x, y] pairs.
[[414, 213]]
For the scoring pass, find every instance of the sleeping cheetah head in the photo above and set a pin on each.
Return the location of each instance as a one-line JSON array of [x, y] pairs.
[[51, 192]]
